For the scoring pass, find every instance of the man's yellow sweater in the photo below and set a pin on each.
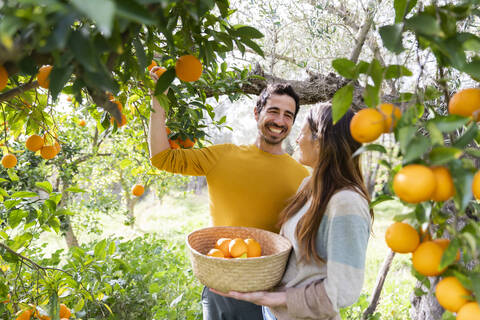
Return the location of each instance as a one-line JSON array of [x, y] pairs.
[[247, 186]]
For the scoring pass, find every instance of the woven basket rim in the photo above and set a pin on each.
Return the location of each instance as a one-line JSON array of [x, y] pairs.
[[233, 227]]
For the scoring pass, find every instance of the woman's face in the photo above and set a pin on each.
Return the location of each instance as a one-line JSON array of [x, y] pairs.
[[309, 148]]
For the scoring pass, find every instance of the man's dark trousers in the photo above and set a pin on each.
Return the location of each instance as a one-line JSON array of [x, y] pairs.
[[216, 307]]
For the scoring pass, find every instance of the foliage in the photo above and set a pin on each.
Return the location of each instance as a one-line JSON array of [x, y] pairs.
[[425, 134], [144, 278]]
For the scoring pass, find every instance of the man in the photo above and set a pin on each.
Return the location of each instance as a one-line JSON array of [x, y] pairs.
[[248, 185]]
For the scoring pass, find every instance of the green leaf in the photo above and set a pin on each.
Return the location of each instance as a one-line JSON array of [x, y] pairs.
[[392, 37], [246, 32], [443, 155], [100, 249], [371, 96], [83, 50], [447, 315], [416, 148], [376, 72], [404, 97], [164, 81], [473, 152], [380, 199], [420, 213], [54, 223], [59, 78], [76, 190], [101, 80], [57, 39], [369, 147], [431, 93], [21, 240], [473, 69], [462, 179], [255, 47], [424, 24], [9, 204], [100, 12], [345, 67], [405, 135], [436, 135], [467, 136], [223, 6], [111, 248], [362, 67], [16, 216], [404, 216], [44, 185], [141, 56], [50, 205], [402, 8], [12, 175], [450, 254], [475, 278], [449, 123], [79, 305], [125, 163], [24, 194], [341, 102], [133, 11], [397, 71]]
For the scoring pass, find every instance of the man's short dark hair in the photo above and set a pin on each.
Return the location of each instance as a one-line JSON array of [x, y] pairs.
[[279, 89]]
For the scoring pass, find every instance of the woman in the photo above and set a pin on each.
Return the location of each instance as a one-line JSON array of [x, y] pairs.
[[327, 221]]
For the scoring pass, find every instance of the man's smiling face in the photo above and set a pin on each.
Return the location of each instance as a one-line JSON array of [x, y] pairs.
[[276, 118]]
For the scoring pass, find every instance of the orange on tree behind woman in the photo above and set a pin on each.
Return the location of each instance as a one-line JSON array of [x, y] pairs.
[[3, 77], [43, 76]]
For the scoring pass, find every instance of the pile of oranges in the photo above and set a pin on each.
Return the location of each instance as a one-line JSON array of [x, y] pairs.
[[236, 248], [426, 257]]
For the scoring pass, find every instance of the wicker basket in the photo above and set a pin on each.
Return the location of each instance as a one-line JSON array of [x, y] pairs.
[[244, 275]]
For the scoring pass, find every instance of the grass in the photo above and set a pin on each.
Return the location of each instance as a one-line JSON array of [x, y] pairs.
[[178, 214]]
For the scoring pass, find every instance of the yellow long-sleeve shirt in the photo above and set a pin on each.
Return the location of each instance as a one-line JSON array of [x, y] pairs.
[[247, 186]]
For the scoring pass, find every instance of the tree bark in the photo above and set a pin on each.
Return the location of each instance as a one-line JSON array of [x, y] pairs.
[[70, 236], [426, 307]]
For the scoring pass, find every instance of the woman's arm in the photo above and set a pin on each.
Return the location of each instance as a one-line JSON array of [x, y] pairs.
[[263, 298]]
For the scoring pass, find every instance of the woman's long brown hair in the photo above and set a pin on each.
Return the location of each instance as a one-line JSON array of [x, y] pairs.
[[336, 169]]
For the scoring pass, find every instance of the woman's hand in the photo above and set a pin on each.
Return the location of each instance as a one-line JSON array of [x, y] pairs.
[[263, 298]]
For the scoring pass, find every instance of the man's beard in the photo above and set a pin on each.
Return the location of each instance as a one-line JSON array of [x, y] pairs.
[[266, 137]]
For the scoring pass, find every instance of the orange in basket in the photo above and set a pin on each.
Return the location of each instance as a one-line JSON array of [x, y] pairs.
[[252, 274]]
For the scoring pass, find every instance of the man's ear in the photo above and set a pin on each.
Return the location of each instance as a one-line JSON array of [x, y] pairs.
[[255, 112]]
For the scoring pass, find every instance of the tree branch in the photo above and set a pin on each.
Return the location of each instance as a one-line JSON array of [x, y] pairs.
[[362, 36], [12, 93]]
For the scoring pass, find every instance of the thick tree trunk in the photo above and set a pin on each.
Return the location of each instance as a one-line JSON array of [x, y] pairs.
[[70, 237], [131, 208], [426, 307]]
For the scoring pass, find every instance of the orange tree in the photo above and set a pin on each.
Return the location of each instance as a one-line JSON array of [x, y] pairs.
[[97, 53], [438, 140]]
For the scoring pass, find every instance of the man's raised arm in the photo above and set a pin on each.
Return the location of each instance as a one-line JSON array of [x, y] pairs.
[[157, 133]]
